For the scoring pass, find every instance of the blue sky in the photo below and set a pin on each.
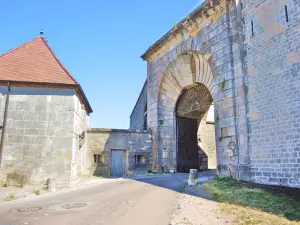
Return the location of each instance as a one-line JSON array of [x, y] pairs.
[[100, 42]]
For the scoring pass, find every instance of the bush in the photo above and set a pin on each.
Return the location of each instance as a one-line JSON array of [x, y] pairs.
[[11, 196], [2, 183], [36, 192]]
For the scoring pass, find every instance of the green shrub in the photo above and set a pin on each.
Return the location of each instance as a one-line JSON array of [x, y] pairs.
[[36, 192], [2, 183], [11, 196]]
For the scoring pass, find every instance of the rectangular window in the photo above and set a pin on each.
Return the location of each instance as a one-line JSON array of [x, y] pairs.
[[252, 28], [140, 159], [286, 13], [97, 158]]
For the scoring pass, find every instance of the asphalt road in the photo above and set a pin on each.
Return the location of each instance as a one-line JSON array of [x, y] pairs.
[[141, 202]]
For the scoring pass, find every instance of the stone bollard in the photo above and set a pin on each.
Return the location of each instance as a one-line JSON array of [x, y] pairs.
[[51, 185], [193, 177]]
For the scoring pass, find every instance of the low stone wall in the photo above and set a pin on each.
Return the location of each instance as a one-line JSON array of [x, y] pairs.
[[137, 146]]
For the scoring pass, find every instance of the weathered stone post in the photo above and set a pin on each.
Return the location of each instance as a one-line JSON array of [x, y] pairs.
[[51, 185], [193, 177]]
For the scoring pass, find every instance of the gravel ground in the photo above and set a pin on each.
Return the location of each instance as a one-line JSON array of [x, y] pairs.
[[196, 207]]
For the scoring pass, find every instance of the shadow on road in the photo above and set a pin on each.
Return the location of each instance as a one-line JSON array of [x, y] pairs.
[[178, 182]]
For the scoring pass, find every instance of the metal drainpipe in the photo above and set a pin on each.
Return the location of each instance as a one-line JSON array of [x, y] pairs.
[[4, 121]]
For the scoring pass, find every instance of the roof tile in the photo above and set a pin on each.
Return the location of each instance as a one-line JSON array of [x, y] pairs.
[[34, 61]]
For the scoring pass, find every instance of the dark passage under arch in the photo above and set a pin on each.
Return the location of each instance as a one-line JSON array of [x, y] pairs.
[[191, 106]]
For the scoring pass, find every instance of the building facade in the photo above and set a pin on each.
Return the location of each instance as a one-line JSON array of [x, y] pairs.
[[133, 146], [44, 115], [240, 58]]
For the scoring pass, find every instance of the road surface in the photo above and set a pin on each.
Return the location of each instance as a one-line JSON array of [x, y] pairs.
[[133, 202]]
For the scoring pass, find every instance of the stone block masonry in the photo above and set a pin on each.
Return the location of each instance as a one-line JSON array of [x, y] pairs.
[[247, 54], [137, 146], [41, 129], [272, 45], [138, 117], [199, 50]]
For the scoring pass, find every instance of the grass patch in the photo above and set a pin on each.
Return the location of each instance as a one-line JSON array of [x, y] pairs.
[[226, 190], [2, 183], [11, 196], [36, 192]]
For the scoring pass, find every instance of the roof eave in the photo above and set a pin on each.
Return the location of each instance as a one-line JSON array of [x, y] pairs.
[[77, 87], [87, 104]]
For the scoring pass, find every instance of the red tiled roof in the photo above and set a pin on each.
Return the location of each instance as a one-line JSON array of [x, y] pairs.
[[34, 61]]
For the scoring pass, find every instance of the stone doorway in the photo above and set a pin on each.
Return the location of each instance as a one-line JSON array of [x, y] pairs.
[[196, 145]]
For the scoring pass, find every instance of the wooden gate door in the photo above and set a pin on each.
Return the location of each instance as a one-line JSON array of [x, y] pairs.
[[117, 164], [187, 146]]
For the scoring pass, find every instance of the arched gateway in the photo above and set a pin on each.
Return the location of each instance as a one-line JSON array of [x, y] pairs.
[[216, 51], [184, 98], [200, 55], [193, 150], [183, 87]]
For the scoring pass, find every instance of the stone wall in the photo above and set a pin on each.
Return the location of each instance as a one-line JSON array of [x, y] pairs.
[[273, 69], [39, 134], [81, 121], [204, 48], [137, 117], [102, 141], [207, 141]]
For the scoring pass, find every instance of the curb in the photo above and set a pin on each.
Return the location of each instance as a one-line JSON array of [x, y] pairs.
[[49, 194]]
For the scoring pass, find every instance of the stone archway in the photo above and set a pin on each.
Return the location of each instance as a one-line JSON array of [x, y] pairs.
[[204, 49], [189, 73], [195, 141]]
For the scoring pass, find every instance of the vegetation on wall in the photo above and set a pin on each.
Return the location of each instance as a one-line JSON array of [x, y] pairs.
[[222, 85], [221, 138]]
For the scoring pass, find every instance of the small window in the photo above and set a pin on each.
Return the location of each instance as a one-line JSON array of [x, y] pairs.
[[97, 158], [140, 159], [252, 28], [145, 118], [286, 13]]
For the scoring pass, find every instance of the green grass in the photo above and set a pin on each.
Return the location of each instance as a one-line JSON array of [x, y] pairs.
[[11, 196], [36, 192], [2, 183], [222, 190]]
